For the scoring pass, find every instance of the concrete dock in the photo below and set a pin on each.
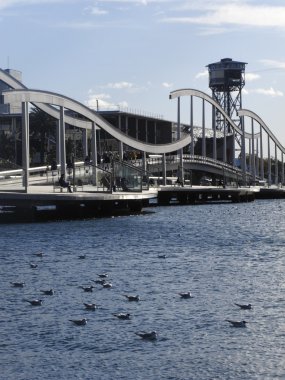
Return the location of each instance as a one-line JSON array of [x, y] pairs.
[[43, 203], [203, 194]]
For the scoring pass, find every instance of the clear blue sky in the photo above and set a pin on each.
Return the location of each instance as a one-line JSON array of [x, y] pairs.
[[134, 52]]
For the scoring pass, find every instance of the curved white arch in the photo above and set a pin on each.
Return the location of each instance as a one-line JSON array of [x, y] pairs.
[[47, 97], [203, 95], [245, 112], [15, 84]]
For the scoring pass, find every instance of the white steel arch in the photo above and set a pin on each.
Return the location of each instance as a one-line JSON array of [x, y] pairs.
[[47, 97]]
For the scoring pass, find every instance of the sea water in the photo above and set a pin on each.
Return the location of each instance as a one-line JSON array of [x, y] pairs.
[[222, 253]]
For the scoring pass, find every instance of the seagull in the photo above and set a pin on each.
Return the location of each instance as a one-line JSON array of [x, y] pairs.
[[100, 282], [152, 335], [132, 298], [90, 306], [35, 302], [244, 307], [107, 285], [79, 322], [49, 292], [18, 284], [237, 323], [32, 265], [88, 288], [103, 275], [185, 295], [122, 315]]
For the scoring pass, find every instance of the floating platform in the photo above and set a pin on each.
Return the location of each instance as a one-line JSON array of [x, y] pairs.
[[271, 193], [41, 204], [203, 194]]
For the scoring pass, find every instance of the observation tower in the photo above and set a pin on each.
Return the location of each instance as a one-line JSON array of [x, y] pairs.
[[226, 80]]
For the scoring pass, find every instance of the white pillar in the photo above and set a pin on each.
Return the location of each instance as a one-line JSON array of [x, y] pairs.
[[180, 152], [94, 154], [164, 169], [215, 133], [225, 142], [261, 156], [269, 161], [25, 145], [57, 143], [243, 157], [62, 141], [252, 152], [191, 125], [203, 130]]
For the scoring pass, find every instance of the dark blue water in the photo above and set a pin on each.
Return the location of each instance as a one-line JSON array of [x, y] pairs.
[[221, 253]]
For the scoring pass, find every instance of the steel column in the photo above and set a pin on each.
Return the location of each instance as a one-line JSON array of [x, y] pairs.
[[62, 141], [282, 168], [243, 158], [276, 166], [180, 152], [25, 145], [269, 161], [225, 142], [94, 153], [261, 156], [191, 126], [164, 169], [203, 130], [252, 152]]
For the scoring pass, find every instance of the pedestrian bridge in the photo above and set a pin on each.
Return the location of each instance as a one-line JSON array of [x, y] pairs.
[[256, 141]]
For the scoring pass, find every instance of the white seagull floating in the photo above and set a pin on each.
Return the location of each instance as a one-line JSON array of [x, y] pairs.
[[35, 302], [237, 323], [90, 306], [100, 282], [185, 295], [152, 335], [107, 285]]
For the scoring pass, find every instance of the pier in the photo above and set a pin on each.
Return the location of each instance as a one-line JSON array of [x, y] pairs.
[[203, 194], [233, 155], [42, 204]]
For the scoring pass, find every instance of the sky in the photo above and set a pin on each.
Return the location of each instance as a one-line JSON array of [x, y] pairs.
[[133, 53]]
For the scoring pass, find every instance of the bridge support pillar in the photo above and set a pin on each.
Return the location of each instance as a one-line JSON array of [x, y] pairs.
[[94, 154], [25, 145], [164, 169], [62, 141]]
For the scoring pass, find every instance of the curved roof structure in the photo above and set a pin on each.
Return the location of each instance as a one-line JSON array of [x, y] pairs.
[[15, 84], [245, 112], [50, 98], [203, 95]]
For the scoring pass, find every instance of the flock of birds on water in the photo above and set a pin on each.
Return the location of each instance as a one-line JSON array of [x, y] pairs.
[[105, 283]]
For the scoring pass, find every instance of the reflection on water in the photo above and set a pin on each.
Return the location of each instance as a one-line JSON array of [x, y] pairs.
[[224, 254]]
